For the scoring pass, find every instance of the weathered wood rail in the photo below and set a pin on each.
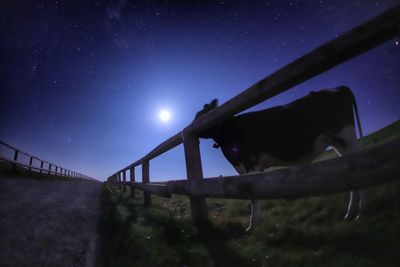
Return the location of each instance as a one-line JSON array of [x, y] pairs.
[[45, 166], [375, 166], [348, 173]]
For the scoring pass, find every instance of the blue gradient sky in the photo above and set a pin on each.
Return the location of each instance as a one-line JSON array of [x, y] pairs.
[[83, 81]]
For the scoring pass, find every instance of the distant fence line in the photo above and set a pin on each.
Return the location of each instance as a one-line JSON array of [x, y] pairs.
[[44, 167], [300, 181]]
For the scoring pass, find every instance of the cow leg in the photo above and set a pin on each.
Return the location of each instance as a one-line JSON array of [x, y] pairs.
[[357, 201], [255, 214], [357, 198], [352, 208], [357, 204], [354, 196], [362, 205]]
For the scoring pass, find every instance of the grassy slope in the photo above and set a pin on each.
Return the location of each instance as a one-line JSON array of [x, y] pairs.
[[382, 136], [304, 232]]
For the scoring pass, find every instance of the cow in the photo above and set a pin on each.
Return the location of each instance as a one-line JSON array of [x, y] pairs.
[[295, 133]]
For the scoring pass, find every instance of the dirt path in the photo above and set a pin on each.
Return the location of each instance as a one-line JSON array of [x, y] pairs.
[[48, 223]]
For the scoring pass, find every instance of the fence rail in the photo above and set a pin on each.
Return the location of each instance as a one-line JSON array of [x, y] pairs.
[[375, 166], [352, 43], [46, 167]]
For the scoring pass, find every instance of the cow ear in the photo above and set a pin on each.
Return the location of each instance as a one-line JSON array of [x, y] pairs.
[[214, 103], [207, 108]]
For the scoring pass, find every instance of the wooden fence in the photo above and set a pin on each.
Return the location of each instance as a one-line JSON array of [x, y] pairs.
[[35, 165], [376, 166]]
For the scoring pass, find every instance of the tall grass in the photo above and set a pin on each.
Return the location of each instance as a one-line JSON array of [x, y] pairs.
[[304, 232]]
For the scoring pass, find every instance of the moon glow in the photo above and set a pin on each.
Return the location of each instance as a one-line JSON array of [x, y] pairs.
[[165, 115]]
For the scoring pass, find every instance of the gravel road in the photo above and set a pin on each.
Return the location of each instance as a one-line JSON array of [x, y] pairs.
[[48, 222]]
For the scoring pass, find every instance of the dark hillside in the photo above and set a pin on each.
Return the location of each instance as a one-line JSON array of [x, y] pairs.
[[384, 135]]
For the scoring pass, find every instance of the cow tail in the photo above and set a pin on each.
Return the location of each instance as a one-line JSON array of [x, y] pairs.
[[360, 132]]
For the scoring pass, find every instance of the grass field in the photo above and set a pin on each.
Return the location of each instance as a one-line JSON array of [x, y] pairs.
[[303, 232]]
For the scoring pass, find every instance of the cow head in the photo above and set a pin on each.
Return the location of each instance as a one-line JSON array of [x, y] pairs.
[[207, 108]]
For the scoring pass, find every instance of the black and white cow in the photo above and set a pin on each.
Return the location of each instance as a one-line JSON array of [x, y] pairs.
[[290, 134]]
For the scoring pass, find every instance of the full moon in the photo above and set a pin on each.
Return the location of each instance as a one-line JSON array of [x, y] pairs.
[[165, 115]]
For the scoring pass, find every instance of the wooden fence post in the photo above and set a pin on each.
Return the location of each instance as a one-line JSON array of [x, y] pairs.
[[30, 163], [132, 179], [124, 180], [194, 171], [15, 159], [49, 168], [146, 179], [41, 166]]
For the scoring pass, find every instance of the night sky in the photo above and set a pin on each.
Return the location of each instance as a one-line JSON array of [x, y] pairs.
[[83, 82]]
